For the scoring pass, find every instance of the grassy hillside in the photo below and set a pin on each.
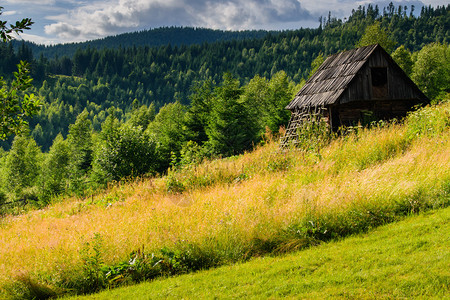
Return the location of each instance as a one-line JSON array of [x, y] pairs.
[[230, 210], [405, 260]]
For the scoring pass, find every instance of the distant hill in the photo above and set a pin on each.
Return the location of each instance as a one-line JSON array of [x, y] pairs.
[[175, 36]]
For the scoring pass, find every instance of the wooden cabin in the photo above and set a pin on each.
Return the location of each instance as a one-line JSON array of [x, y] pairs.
[[353, 87]]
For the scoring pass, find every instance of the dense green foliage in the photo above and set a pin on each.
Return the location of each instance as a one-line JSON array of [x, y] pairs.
[[124, 151], [16, 103], [7, 31], [374, 34], [175, 105], [431, 69], [175, 36]]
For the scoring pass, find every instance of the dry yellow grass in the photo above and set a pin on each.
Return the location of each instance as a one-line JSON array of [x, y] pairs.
[[47, 243]]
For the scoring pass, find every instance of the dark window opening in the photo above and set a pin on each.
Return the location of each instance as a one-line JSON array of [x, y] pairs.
[[379, 76], [379, 82]]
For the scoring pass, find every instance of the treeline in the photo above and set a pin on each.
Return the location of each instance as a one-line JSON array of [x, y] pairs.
[[175, 36], [223, 119], [99, 79]]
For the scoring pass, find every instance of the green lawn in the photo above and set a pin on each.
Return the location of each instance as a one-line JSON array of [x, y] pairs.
[[404, 260]]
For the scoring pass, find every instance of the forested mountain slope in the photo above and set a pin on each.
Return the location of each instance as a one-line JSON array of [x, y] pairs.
[[175, 36], [98, 79]]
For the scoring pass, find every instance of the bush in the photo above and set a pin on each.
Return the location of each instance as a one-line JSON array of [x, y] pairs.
[[24, 287], [192, 154], [428, 121], [126, 151], [314, 134]]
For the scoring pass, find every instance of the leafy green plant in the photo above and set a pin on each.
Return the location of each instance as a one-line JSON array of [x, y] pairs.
[[140, 266], [16, 102], [375, 34], [431, 71], [173, 183], [313, 134], [26, 288], [192, 154], [93, 278], [280, 163], [428, 121], [125, 151]]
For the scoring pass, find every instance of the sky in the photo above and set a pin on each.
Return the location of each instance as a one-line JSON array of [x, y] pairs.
[[66, 21]]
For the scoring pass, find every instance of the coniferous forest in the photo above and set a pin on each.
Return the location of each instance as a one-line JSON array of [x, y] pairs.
[[114, 109]]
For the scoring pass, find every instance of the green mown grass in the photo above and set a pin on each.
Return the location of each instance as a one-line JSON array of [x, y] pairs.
[[403, 260]]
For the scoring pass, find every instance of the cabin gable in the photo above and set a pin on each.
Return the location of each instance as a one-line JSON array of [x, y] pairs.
[[380, 79]]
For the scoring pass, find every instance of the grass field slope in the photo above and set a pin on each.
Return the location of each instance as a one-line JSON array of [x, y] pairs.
[[266, 202], [405, 260]]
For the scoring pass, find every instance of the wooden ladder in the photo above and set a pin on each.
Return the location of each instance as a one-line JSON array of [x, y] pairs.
[[298, 117]]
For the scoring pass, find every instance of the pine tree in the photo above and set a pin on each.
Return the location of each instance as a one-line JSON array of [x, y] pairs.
[[231, 129], [22, 166], [55, 169], [197, 116], [81, 150]]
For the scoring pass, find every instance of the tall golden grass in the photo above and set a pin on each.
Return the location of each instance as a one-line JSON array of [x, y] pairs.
[[229, 204]]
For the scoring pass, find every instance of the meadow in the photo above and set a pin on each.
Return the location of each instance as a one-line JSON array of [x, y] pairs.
[[264, 202], [408, 259]]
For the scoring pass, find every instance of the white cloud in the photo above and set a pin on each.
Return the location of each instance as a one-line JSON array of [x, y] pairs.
[[9, 13], [99, 19], [38, 39], [30, 2], [79, 20], [63, 30]]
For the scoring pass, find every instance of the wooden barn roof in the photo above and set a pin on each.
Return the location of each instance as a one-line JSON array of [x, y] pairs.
[[331, 79]]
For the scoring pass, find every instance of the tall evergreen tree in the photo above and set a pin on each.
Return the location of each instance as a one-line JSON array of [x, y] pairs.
[[142, 116], [81, 150], [55, 169], [197, 116], [281, 92], [169, 132], [22, 165], [231, 129]]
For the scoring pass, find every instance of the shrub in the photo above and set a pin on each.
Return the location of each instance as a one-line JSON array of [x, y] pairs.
[[125, 151], [26, 288], [428, 121], [313, 134], [192, 154]]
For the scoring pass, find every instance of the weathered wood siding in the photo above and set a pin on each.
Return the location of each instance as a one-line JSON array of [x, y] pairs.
[[356, 112], [399, 87]]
